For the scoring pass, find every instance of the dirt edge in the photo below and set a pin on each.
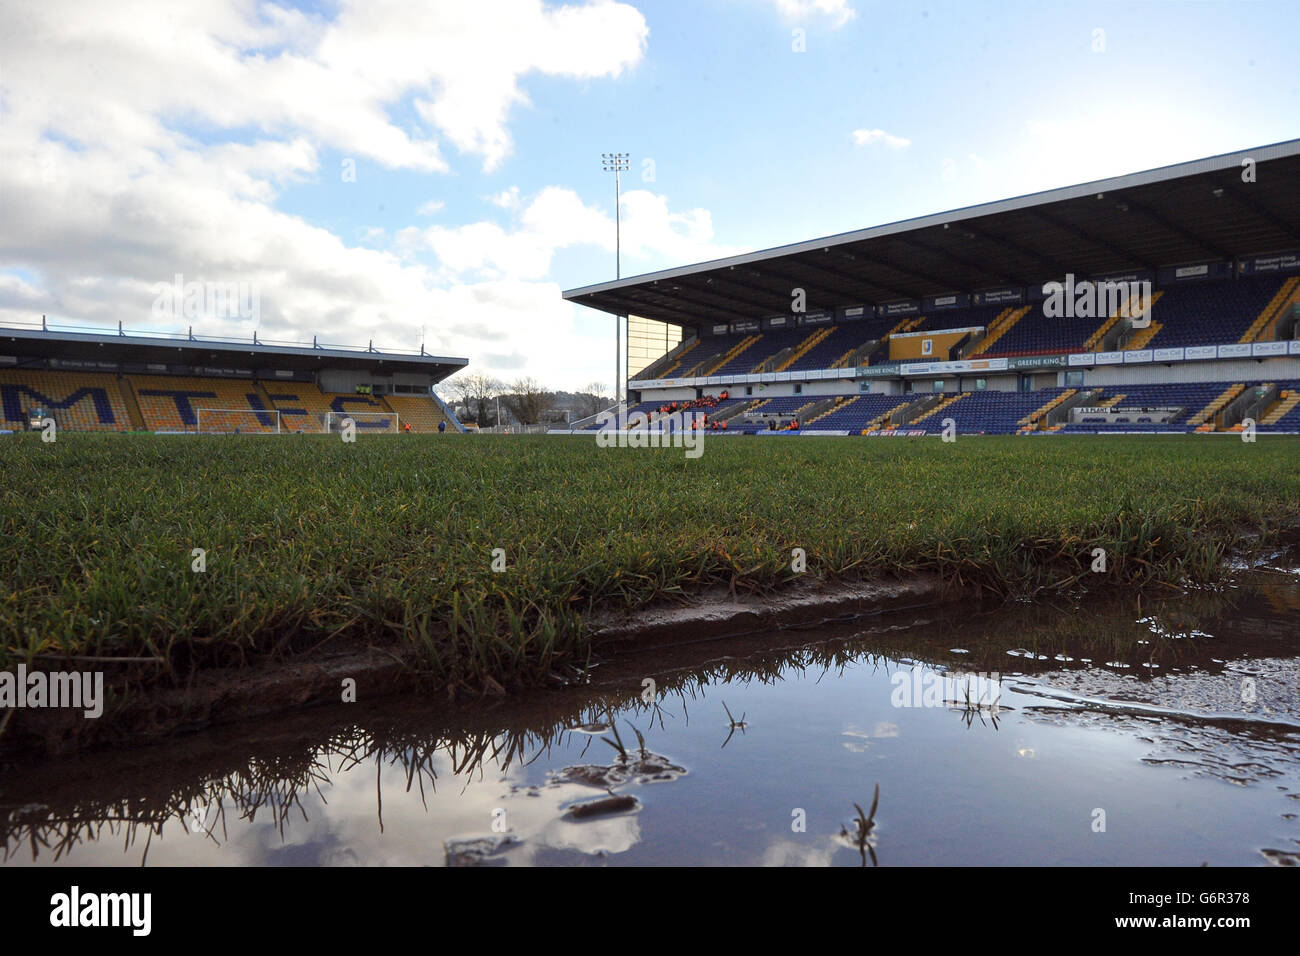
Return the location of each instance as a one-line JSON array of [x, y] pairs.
[[270, 687]]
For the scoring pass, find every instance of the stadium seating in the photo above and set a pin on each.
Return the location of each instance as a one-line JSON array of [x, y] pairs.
[[77, 401], [171, 403], [988, 413], [1212, 313], [768, 346], [302, 405], [421, 412], [859, 412], [1036, 333], [1197, 402], [1285, 413]]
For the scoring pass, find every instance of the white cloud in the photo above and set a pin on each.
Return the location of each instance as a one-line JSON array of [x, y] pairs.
[[119, 72], [868, 137], [506, 199], [838, 11], [556, 218], [145, 139]]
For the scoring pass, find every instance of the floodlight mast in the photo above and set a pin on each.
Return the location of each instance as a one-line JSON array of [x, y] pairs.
[[617, 163]]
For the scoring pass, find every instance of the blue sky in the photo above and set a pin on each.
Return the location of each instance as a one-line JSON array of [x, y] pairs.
[[218, 144]]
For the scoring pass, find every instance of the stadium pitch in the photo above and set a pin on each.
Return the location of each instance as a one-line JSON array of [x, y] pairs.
[[485, 563]]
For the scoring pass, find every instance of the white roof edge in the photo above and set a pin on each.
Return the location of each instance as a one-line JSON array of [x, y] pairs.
[[1281, 150]]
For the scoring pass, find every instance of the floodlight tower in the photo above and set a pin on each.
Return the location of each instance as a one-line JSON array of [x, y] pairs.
[[617, 163]]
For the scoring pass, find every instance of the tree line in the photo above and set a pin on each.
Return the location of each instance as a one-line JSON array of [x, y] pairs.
[[480, 398]]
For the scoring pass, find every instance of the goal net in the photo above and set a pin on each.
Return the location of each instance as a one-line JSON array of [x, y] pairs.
[[367, 423], [242, 421]]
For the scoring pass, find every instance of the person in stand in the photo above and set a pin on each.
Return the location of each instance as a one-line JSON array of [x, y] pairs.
[[407, 428], [442, 426]]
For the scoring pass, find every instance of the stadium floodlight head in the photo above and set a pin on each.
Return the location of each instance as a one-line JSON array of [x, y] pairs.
[[617, 163]]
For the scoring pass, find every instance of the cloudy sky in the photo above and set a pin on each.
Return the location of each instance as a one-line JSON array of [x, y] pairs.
[[430, 171]]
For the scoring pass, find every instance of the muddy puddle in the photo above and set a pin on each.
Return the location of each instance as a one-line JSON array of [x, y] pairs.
[[1119, 731]]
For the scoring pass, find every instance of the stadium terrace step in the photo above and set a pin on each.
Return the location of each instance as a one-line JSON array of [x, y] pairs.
[[881, 420], [1253, 401], [1000, 327], [129, 400], [976, 342], [839, 404], [670, 359], [677, 364], [744, 346], [1032, 420], [1287, 293], [946, 403], [860, 355], [1290, 400], [740, 408], [1143, 337], [1094, 341], [1113, 333], [1228, 394], [709, 365], [808, 344]]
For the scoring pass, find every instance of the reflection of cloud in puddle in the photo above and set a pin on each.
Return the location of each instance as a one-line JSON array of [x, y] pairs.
[[860, 743], [799, 853], [861, 738], [536, 819], [615, 834]]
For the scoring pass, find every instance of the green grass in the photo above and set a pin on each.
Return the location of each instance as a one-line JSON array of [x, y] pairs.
[[389, 540]]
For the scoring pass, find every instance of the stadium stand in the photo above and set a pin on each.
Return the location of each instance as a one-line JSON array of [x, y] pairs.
[[171, 403], [1211, 313], [302, 405], [859, 413], [988, 413], [100, 402], [98, 379], [420, 412], [75, 400]]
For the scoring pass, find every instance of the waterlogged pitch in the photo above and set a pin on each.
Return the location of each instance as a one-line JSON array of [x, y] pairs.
[[490, 556]]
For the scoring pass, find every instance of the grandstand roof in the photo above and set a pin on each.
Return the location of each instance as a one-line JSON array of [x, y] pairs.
[[143, 347], [1169, 216]]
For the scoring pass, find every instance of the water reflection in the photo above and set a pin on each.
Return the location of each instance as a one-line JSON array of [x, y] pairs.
[[991, 732]]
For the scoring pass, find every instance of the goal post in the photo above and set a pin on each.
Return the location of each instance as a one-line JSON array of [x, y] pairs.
[[367, 423], [244, 421]]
